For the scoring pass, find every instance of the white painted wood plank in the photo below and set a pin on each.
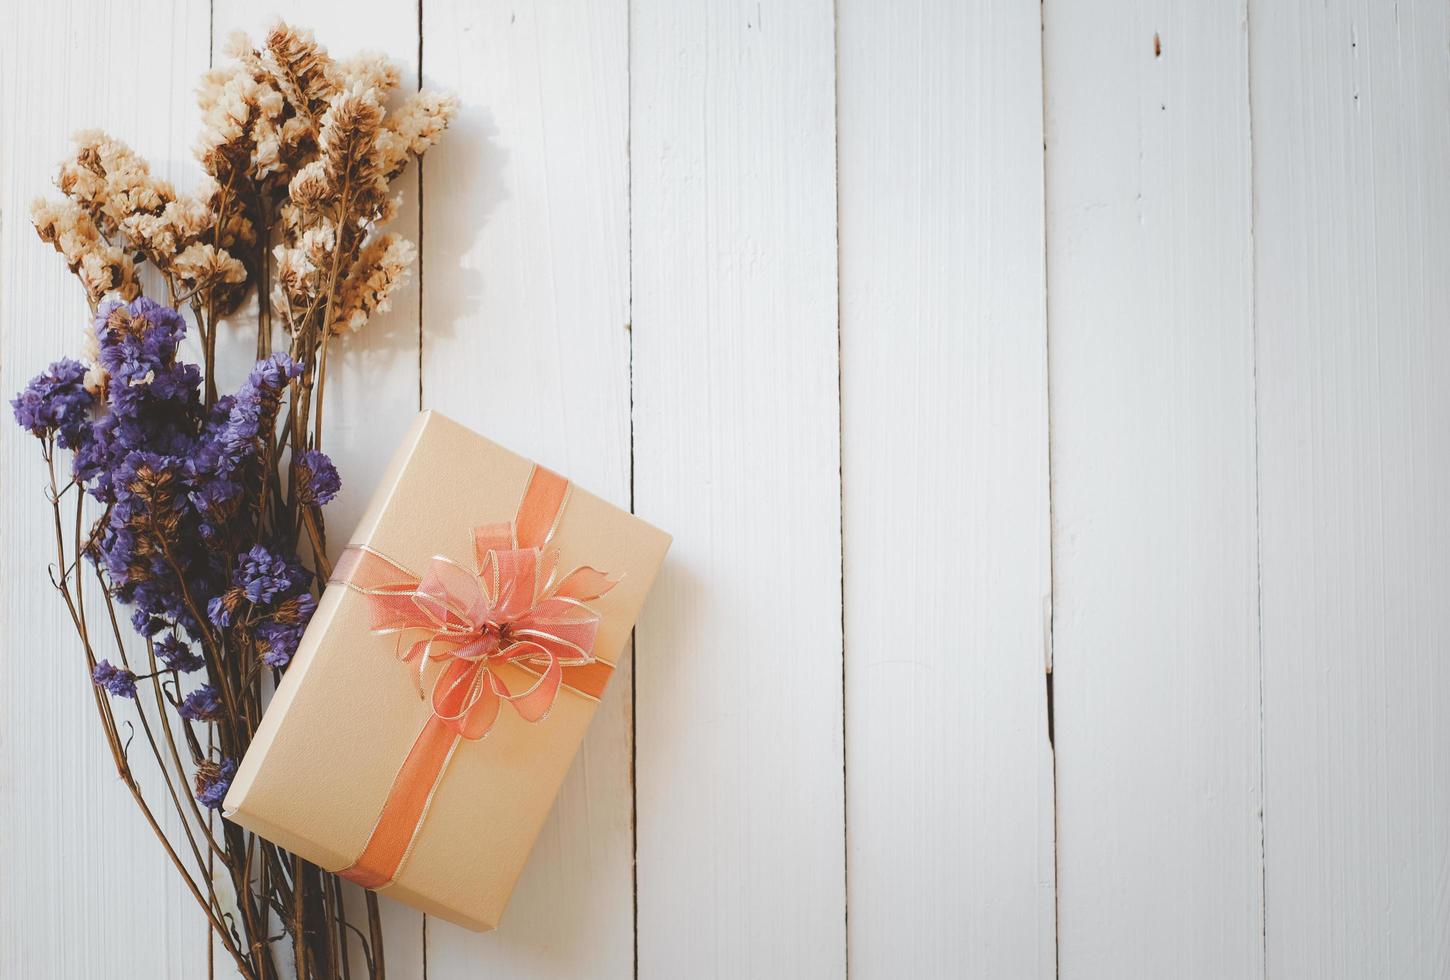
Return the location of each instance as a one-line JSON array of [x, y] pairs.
[[944, 410], [526, 307], [738, 712], [1351, 111], [84, 879], [1155, 586], [372, 384]]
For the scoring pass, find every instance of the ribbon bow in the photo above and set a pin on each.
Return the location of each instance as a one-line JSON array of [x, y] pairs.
[[513, 609], [512, 612]]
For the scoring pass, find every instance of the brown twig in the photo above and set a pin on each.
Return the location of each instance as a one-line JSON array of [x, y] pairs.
[[375, 934], [118, 752]]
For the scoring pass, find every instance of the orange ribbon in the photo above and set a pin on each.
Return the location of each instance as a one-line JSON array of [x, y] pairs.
[[511, 610]]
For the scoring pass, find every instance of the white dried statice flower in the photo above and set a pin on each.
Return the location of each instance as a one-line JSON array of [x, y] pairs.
[[413, 128], [96, 376], [101, 267], [370, 70], [161, 237], [311, 188], [318, 242], [348, 150], [295, 283], [381, 268], [105, 270], [299, 151], [237, 46], [111, 182], [189, 217], [83, 184], [202, 265], [130, 188], [302, 68], [267, 133], [338, 148], [228, 97]]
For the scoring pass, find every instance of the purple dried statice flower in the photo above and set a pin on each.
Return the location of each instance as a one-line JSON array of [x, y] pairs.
[[263, 576], [212, 782], [57, 402], [137, 337], [217, 502], [240, 433], [298, 609], [233, 443], [315, 477], [201, 704], [278, 636], [149, 539], [222, 609], [117, 680], [153, 403], [267, 379], [178, 655], [278, 643], [146, 624]]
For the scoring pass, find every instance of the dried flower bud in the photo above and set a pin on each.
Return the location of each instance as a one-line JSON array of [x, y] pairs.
[[380, 269], [201, 266], [212, 782], [117, 681], [207, 773], [318, 242], [101, 267], [303, 67], [201, 704], [348, 144], [96, 376], [369, 69], [156, 487], [223, 609], [311, 187], [317, 482], [160, 237], [414, 127], [111, 182]]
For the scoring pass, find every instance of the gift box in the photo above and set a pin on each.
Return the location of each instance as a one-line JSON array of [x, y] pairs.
[[419, 737]]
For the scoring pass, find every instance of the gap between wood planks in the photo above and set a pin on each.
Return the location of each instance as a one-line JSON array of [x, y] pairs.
[[840, 488], [1258, 490], [1050, 610], [629, 328], [419, 87]]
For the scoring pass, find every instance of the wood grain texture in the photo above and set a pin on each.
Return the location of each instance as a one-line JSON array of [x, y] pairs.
[[859, 293], [526, 312], [1155, 636], [738, 705], [86, 890], [1351, 103], [944, 405]]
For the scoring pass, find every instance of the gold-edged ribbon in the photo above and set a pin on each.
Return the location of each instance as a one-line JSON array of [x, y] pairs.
[[510, 631]]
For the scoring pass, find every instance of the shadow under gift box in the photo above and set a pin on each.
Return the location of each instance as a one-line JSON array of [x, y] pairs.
[[348, 711]]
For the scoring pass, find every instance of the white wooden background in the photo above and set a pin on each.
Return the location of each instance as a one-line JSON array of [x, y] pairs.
[[1051, 405]]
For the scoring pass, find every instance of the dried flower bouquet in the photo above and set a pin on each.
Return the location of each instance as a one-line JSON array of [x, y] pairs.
[[206, 514]]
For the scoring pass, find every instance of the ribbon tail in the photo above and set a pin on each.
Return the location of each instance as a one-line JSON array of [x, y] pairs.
[[406, 807], [585, 583], [541, 508]]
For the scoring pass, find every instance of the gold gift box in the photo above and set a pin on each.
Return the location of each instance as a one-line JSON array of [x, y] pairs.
[[348, 711]]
